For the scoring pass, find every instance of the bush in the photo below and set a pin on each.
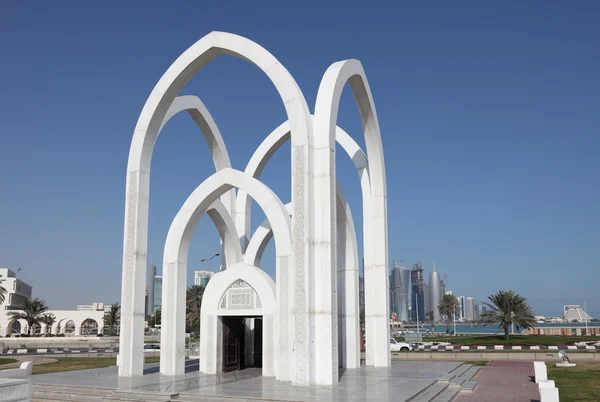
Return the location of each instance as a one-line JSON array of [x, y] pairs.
[[60, 335], [50, 335], [99, 335]]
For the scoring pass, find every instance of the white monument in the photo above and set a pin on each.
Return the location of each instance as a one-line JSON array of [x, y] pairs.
[[304, 326]]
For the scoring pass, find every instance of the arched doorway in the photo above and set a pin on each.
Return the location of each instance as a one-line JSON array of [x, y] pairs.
[[89, 327], [237, 321], [69, 327], [15, 327]]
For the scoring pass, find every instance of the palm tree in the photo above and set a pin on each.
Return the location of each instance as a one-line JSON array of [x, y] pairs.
[[506, 308], [49, 320], [432, 319], [154, 319], [112, 317], [193, 306], [34, 312], [448, 307], [2, 292]]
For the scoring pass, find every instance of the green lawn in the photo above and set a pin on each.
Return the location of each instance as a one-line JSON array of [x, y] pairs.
[[80, 363], [74, 363], [529, 340], [7, 361], [575, 384], [477, 363]]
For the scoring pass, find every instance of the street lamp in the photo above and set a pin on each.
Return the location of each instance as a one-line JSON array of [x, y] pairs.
[[208, 259], [454, 318]]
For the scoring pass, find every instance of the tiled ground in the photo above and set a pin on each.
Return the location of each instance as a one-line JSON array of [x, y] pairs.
[[503, 381], [397, 383]]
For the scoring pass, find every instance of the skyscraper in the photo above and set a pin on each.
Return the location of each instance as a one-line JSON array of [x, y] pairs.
[[157, 293], [399, 289], [417, 301], [435, 293], [202, 277], [461, 311], [470, 309], [426, 301]]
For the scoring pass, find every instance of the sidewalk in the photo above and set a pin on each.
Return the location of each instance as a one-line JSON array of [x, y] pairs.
[[503, 381]]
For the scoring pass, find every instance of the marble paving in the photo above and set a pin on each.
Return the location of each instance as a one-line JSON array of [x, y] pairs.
[[398, 382]]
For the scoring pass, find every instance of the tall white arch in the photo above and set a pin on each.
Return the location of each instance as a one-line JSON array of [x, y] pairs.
[[374, 209], [138, 184], [176, 249]]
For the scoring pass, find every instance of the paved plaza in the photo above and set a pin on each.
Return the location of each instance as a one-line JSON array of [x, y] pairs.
[[503, 381], [398, 383]]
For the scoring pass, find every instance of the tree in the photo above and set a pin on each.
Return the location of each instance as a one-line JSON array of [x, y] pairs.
[[432, 319], [34, 312], [2, 292], [362, 318], [49, 320], [112, 318], [193, 307], [448, 307], [154, 319], [507, 308]]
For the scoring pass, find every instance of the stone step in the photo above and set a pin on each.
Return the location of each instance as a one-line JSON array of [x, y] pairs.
[[468, 386], [465, 376], [65, 395], [72, 389], [458, 371], [203, 398], [448, 394], [140, 396], [430, 393], [113, 399]]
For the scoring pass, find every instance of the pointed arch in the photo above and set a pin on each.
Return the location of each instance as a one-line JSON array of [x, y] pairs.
[[138, 181], [267, 149], [265, 288], [176, 250], [374, 208]]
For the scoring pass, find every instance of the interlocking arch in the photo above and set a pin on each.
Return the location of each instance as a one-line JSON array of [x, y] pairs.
[[138, 176], [177, 245], [311, 253]]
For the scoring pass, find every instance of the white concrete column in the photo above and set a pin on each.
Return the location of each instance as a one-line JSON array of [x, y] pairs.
[[379, 282], [210, 344], [78, 330], [297, 340], [131, 341], [323, 309], [269, 341], [172, 334], [348, 303]]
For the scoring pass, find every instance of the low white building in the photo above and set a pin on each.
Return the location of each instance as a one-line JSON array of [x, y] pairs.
[[85, 321]]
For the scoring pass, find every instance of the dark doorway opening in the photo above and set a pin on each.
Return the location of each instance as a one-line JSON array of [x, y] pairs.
[[240, 341]]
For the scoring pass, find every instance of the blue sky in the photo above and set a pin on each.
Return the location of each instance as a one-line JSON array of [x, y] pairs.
[[490, 117]]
